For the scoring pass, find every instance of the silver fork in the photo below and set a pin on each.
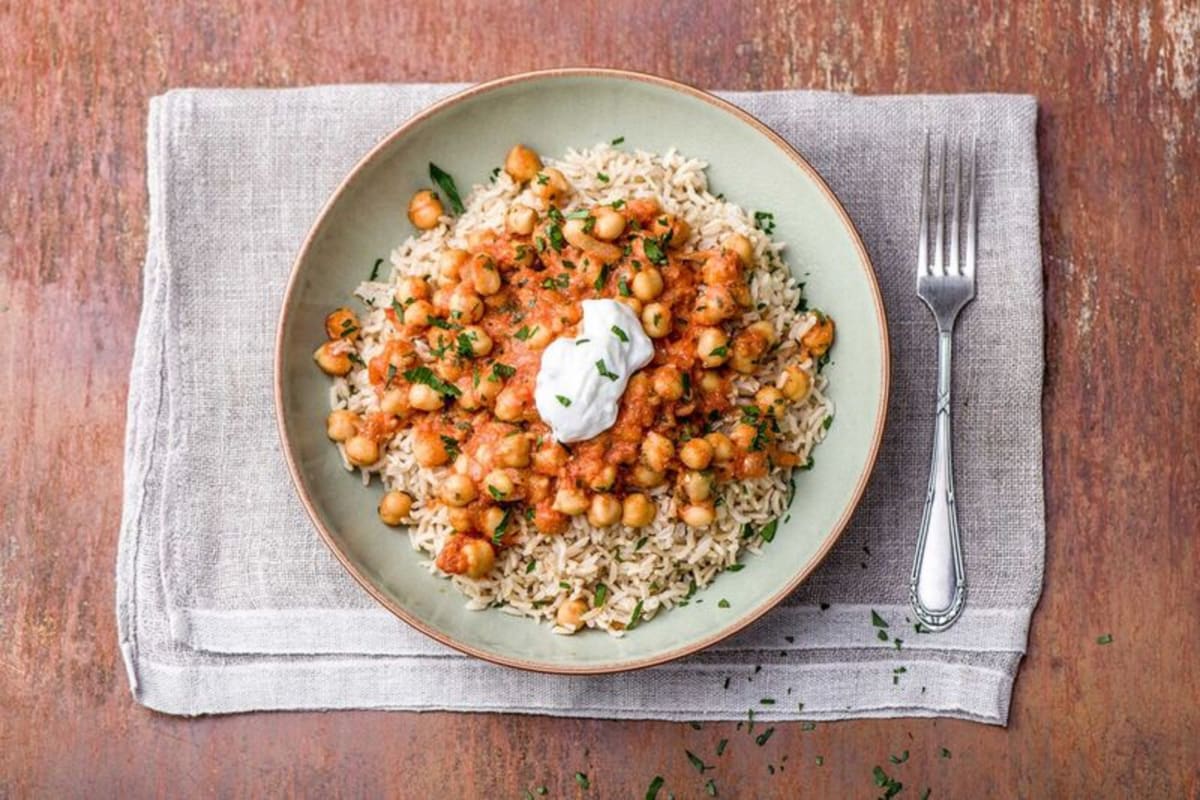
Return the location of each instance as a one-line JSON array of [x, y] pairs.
[[938, 588]]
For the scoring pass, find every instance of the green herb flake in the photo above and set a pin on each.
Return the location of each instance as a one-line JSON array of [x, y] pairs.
[[636, 617], [925, 794], [425, 375], [602, 368], [600, 596], [820, 761], [391, 375], [438, 322], [764, 221], [696, 761], [1105, 639], [581, 341], [565, 402], [710, 788], [762, 738], [878, 621], [654, 251], [498, 534], [620, 334], [944, 753], [446, 184], [900, 759], [451, 445], [735, 568], [602, 278], [525, 332], [530, 567], [465, 348], [602, 177], [721, 352], [542, 179], [623, 287], [375, 269], [767, 701], [617, 141], [582, 780], [768, 531], [502, 371], [652, 789], [722, 603]]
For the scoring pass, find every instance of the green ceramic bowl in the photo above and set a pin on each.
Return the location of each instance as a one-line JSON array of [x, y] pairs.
[[469, 134]]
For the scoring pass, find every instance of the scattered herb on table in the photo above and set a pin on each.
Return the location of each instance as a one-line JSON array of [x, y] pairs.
[[762, 738], [618, 140], [722, 603], [878, 621], [900, 759], [582, 780], [764, 221], [1105, 639], [891, 787], [945, 753], [652, 789], [696, 761], [375, 269], [721, 745]]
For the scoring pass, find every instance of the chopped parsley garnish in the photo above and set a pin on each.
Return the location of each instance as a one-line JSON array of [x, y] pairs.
[[1105, 639], [722, 603], [589, 223], [582, 780], [721, 745], [542, 179], [623, 287], [820, 761], [878, 621], [696, 761], [602, 177], [495, 173], [356, 358], [530, 567], [601, 595], [825, 423], [540, 244], [618, 203], [881, 635], [603, 370], [579, 213], [620, 334], [764, 221], [762, 738], [391, 375], [900, 759], [618, 141], [565, 402], [710, 788], [465, 348], [944, 753], [652, 789], [564, 585], [767, 701], [503, 370], [721, 352], [654, 251], [640, 543], [735, 568], [581, 341], [525, 332], [498, 534], [636, 617], [375, 269], [438, 322], [451, 445], [446, 184], [602, 278], [556, 237], [425, 375], [891, 787], [768, 531]]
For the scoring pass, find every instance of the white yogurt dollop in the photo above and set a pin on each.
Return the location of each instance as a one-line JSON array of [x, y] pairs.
[[581, 380]]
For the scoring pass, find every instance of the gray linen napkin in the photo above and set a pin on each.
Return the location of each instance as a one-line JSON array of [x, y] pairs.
[[228, 601]]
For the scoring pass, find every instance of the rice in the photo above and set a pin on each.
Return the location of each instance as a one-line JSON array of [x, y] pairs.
[[645, 570]]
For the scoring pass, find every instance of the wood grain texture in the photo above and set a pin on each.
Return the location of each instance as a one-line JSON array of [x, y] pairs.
[[1119, 166]]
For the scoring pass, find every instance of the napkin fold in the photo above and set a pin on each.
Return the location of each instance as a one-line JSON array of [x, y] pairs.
[[228, 601]]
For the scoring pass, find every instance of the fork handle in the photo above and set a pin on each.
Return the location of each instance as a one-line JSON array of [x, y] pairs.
[[938, 586]]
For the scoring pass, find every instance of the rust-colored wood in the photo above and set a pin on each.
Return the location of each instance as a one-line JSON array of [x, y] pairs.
[[1120, 163]]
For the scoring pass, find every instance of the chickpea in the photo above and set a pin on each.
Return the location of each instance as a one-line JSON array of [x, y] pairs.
[[699, 515], [333, 357], [647, 477], [488, 389], [740, 246], [656, 320], [819, 337], [540, 337], [458, 490], [676, 226], [481, 343], [570, 614], [340, 425], [770, 400], [750, 345], [449, 263], [520, 219], [460, 519], [718, 269], [648, 284], [418, 313], [465, 305], [710, 381], [743, 435], [668, 382], [549, 521], [609, 224], [794, 382], [509, 406], [575, 232], [342, 323], [637, 511], [712, 346], [550, 458], [571, 502], [492, 519], [439, 339], [714, 305], [395, 401], [722, 446], [425, 210], [468, 399], [484, 276], [696, 486], [424, 398], [499, 485], [441, 297], [394, 507], [410, 289], [604, 510], [763, 330], [633, 303], [429, 450], [513, 451], [657, 451], [550, 185], [480, 557], [479, 239], [539, 488], [521, 163], [362, 451], [604, 479], [696, 453]]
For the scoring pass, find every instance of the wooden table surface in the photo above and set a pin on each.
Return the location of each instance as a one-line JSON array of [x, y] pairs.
[[1120, 213]]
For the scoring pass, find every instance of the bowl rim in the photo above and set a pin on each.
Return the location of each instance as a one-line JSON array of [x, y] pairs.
[[751, 615]]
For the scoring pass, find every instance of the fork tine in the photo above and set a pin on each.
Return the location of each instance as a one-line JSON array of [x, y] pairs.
[[923, 224], [955, 209], [939, 264], [969, 258]]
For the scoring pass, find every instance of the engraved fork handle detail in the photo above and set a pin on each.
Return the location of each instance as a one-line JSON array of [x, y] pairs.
[[938, 587]]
